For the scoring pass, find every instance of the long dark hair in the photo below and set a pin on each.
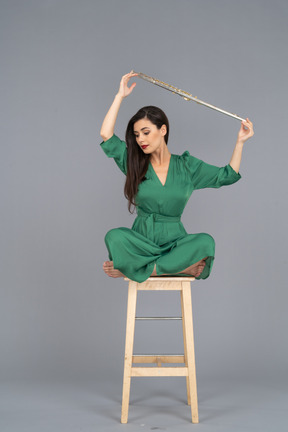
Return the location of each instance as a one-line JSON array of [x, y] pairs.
[[137, 161]]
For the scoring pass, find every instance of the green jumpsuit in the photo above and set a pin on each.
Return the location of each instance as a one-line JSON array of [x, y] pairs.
[[157, 235]]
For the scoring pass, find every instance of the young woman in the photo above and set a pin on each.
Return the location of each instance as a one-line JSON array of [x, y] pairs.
[[159, 184]]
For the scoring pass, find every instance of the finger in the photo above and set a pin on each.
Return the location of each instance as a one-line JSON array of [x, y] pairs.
[[245, 125], [131, 73], [128, 76], [249, 121]]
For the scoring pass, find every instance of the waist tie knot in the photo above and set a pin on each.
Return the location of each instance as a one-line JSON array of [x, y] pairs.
[[151, 218]]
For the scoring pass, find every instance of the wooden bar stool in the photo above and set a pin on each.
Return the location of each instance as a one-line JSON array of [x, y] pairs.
[[188, 370]]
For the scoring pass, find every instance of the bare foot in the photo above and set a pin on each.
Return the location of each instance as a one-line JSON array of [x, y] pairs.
[[110, 271], [194, 270]]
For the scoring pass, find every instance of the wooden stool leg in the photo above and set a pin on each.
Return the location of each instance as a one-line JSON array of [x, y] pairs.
[[185, 350], [189, 335], [130, 326]]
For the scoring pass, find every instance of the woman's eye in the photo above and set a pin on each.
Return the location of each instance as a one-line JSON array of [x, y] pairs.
[[145, 133]]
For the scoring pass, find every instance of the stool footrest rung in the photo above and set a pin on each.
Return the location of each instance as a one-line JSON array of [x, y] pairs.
[[159, 371], [158, 318], [156, 358]]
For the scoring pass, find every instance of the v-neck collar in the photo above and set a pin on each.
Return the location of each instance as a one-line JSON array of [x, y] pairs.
[[168, 171]]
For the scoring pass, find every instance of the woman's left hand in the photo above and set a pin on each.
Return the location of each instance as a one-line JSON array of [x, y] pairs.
[[246, 131]]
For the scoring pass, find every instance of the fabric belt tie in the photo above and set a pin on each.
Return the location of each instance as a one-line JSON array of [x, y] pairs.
[[151, 218]]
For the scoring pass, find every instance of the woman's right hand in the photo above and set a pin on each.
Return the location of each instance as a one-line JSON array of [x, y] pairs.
[[124, 90]]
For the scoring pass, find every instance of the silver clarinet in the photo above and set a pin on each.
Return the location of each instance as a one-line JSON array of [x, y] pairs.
[[184, 94]]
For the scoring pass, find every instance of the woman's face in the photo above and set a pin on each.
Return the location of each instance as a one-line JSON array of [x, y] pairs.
[[148, 136]]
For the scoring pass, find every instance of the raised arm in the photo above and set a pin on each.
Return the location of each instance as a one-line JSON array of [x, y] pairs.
[[245, 132], [107, 128]]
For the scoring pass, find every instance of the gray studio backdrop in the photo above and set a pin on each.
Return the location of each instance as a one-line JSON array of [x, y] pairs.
[[61, 64]]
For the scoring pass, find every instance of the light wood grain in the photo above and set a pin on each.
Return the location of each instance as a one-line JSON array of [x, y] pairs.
[[187, 361]]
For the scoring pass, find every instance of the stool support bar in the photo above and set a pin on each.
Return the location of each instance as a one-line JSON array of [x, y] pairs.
[[158, 318]]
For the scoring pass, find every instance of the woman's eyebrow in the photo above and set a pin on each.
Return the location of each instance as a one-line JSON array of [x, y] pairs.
[[146, 127]]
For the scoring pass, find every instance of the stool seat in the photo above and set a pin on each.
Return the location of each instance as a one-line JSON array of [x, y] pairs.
[[165, 279], [188, 369]]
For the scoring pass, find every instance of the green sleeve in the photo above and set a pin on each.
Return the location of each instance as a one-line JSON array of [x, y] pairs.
[[115, 148], [203, 175]]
